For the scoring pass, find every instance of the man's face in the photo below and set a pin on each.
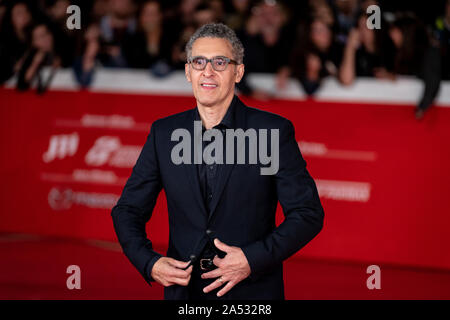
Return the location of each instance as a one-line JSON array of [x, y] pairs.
[[221, 83]]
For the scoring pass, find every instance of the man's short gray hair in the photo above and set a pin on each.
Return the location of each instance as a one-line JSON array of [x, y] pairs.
[[217, 30]]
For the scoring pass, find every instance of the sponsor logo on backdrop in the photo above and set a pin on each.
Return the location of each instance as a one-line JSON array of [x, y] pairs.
[[344, 190], [109, 150], [64, 198], [94, 176], [61, 146], [110, 121], [320, 150], [113, 121], [106, 150]]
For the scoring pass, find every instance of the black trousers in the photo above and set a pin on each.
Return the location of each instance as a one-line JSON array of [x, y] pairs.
[[197, 284]]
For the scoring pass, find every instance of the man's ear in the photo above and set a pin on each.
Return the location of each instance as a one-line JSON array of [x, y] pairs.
[[186, 72], [240, 69]]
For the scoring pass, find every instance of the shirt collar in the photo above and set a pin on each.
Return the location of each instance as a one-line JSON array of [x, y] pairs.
[[228, 120]]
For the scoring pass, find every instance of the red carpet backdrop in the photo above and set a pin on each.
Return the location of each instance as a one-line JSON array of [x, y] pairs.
[[383, 179]]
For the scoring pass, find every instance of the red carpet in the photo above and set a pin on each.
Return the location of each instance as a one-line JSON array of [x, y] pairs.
[[35, 268]]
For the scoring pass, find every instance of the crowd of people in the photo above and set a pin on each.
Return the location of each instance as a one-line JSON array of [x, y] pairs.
[[308, 40]]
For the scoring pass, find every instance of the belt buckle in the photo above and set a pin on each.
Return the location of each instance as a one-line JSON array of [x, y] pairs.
[[206, 261]]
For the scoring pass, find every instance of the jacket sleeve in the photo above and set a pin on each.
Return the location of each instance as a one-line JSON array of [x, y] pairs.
[[134, 209], [299, 199]]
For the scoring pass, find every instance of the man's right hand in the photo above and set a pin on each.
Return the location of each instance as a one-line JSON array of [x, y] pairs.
[[167, 271]]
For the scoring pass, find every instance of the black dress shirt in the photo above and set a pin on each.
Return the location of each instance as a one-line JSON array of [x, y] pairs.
[[208, 173]]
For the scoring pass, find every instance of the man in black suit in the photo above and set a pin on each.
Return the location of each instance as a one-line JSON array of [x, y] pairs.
[[223, 243]]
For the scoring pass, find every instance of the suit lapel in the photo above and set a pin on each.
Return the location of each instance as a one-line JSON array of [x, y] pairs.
[[226, 169], [191, 169]]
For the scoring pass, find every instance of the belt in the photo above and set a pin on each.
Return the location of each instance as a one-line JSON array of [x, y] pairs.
[[206, 264]]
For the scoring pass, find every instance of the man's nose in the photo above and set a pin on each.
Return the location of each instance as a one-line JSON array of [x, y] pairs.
[[209, 70]]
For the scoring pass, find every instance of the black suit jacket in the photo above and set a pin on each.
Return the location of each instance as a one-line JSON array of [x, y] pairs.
[[242, 214]]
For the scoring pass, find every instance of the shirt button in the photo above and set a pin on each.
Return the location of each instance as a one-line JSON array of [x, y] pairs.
[[208, 232], [210, 196]]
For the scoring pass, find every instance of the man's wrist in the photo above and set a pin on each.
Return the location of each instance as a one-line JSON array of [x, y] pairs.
[[150, 267]]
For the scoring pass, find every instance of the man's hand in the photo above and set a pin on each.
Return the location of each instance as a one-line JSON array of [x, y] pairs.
[[232, 269], [168, 271]]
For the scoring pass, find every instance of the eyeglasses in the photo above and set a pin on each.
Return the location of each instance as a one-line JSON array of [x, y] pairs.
[[218, 63]]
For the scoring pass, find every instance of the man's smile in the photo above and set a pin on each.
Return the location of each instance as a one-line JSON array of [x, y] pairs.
[[208, 85]]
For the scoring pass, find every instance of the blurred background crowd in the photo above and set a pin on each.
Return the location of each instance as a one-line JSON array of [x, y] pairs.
[[304, 39]]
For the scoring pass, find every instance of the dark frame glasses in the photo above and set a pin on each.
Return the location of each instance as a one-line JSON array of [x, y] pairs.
[[219, 63]]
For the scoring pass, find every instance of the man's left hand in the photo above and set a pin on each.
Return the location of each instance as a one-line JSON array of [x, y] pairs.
[[231, 270]]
